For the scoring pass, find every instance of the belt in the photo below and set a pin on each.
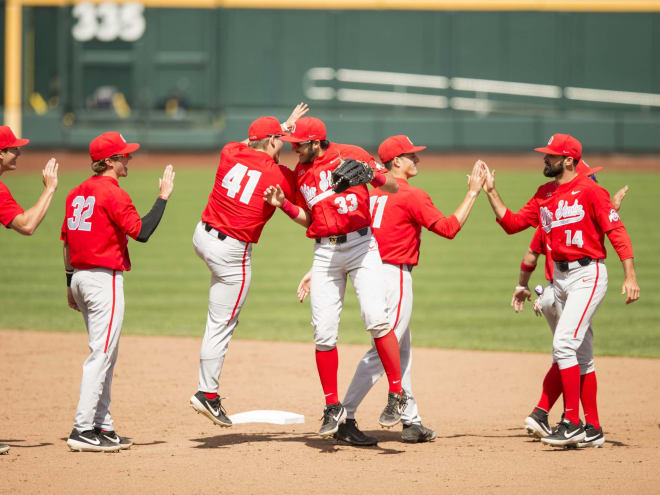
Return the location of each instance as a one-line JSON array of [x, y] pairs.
[[220, 235], [564, 266], [403, 266], [341, 239]]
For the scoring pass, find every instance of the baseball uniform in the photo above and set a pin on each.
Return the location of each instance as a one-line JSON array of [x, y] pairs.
[[231, 223], [344, 247], [99, 218], [575, 217], [397, 220]]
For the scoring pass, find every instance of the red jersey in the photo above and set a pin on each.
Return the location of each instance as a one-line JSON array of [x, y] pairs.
[[397, 221], [236, 206], [332, 213], [99, 217], [576, 217], [540, 245], [528, 215], [9, 208]]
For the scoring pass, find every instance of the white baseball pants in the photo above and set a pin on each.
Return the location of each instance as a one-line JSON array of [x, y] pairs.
[[578, 293], [399, 296], [231, 271], [584, 353], [358, 258], [99, 294]]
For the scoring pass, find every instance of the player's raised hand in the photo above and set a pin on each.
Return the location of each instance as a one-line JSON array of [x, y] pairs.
[[304, 286], [274, 196], [477, 178], [618, 197], [49, 174], [70, 300], [631, 289], [166, 183], [300, 110], [489, 182], [520, 295]]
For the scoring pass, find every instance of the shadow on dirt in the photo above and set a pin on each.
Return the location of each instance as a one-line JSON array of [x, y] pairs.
[[313, 441]]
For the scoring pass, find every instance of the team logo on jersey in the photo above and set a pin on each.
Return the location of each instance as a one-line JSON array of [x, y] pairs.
[[546, 219], [614, 216], [325, 180], [308, 192], [566, 214]]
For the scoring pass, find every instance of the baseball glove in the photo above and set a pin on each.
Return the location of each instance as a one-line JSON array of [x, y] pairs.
[[351, 173]]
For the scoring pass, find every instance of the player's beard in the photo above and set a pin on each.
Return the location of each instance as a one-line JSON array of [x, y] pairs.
[[553, 171], [307, 156]]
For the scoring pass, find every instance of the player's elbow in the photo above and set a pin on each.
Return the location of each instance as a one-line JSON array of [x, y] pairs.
[[23, 227]]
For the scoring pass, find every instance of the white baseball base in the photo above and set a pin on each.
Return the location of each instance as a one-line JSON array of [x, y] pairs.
[[267, 416]]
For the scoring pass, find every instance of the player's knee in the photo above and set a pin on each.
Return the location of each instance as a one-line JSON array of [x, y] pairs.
[[586, 367], [379, 331], [325, 341]]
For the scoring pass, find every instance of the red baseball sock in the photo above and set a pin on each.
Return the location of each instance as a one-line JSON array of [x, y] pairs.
[[388, 351], [570, 380], [551, 388], [210, 396], [588, 389], [327, 363]]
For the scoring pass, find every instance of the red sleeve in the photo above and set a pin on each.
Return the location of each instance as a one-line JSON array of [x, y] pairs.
[[527, 216], [9, 208], [289, 184], [605, 213], [124, 214], [538, 242], [426, 214], [621, 242]]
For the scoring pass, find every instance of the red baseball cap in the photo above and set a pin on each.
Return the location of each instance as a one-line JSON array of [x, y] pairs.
[[394, 146], [584, 169], [563, 144], [306, 129], [109, 144], [264, 127], [9, 140]]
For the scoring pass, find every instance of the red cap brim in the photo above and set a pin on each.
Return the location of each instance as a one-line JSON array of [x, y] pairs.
[[18, 142], [415, 149], [288, 138], [547, 151], [129, 148]]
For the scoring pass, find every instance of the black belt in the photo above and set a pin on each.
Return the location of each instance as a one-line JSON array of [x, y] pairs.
[[208, 228], [341, 239], [563, 265]]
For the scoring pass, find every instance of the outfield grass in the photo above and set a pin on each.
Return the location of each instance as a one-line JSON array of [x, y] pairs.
[[462, 287]]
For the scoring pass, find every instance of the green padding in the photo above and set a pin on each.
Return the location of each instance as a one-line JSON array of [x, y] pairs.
[[640, 135], [495, 132]]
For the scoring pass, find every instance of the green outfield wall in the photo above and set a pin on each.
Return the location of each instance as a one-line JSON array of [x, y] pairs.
[[455, 80]]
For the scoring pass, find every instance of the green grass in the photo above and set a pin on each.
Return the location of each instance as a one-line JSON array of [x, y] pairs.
[[462, 287]]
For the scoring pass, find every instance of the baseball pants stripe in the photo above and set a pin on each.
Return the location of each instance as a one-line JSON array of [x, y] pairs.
[[398, 288], [578, 293], [99, 294], [229, 262]]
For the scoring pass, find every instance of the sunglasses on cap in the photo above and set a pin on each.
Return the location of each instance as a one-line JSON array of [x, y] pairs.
[[298, 145]]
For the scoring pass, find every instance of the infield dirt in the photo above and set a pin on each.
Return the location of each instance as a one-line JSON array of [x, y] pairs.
[[477, 402]]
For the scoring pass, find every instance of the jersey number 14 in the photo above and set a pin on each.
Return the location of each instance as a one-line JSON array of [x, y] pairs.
[[233, 181], [574, 239]]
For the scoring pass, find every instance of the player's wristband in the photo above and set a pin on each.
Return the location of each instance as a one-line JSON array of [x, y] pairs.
[[379, 180], [290, 209], [524, 267], [69, 276], [522, 287]]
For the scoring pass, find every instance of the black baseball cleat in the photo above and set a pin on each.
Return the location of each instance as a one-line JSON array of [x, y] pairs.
[[4, 448], [333, 416], [211, 408], [417, 433], [592, 437], [349, 433], [123, 442], [567, 433], [89, 441], [391, 415], [536, 423]]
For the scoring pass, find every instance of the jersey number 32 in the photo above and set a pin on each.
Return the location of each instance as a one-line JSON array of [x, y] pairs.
[[83, 207]]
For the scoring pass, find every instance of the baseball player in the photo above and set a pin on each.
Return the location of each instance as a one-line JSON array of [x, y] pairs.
[[99, 218], [231, 223], [575, 214], [11, 214], [344, 246], [397, 221], [537, 422]]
